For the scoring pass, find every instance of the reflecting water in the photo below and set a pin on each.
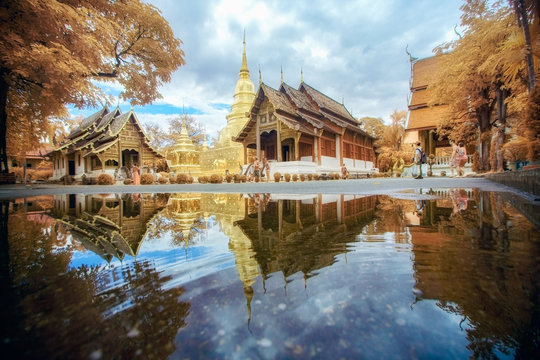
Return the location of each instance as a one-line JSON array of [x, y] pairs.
[[269, 276]]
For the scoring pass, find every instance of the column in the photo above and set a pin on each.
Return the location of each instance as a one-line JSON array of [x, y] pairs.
[[258, 139], [278, 141]]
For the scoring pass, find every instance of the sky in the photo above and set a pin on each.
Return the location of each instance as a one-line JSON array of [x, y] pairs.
[[350, 50]]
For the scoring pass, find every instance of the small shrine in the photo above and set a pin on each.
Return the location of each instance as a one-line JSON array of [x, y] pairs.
[[184, 158]]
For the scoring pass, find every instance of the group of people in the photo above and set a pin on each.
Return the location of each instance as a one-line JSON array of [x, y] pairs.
[[458, 159]]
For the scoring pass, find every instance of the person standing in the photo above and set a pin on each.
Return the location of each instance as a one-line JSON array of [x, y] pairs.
[[135, 171], [462, 158], [454, 158], [418, 152]]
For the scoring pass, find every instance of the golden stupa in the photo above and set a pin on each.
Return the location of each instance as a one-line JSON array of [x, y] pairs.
[[184, 157], [226, 153]]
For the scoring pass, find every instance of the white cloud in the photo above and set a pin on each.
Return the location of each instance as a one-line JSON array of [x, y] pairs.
[[353, 49]]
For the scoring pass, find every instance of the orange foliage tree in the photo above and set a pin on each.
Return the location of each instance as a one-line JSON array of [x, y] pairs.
[[56, 53], [483, 71]]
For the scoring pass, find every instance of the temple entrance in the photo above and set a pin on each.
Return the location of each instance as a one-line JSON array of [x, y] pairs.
[[71, 167], [285, 155], [287, 150], [130, 157]]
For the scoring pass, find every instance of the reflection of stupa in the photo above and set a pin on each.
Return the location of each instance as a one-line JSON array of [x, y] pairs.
[[226, 153], [185, 157]]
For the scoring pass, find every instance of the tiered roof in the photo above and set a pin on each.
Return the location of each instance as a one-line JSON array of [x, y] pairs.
[[421, 114], [304, 109], [99, 131]]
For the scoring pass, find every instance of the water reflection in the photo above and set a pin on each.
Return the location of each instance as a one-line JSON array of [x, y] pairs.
[[265, 276]]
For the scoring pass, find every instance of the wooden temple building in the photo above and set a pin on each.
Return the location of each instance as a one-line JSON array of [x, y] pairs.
[[304, 131], [105, 142], [423, 118]]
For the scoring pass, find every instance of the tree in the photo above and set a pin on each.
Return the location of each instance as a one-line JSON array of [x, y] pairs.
[[481, 72], [373, 126], [55, 52], [164, 140]]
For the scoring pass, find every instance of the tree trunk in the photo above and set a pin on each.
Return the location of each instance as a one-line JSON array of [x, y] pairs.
[[523, 19], [484, 121], [4, 87], [501, 117]]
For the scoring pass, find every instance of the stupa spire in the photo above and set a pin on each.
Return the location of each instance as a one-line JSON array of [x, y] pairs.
[[244, 67]]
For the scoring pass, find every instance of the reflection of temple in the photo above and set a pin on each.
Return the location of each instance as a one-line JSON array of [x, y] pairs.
[[108, 225], [227, 154], [464, 259], [305, 234], [185, 157]]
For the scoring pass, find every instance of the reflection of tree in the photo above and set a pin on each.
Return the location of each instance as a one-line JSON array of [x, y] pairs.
[[389, 217], [472, 268], [58, 312]]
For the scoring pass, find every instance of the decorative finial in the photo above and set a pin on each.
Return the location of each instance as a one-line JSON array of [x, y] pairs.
[[342, 99], [282, 74], [244, 36], [301, 75], [260, 75], [411, 58], [457, 33]]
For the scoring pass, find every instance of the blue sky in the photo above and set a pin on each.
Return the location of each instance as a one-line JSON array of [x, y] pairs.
[[350, 50]]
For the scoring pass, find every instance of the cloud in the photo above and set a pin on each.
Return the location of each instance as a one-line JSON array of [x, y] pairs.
[[353, 50]]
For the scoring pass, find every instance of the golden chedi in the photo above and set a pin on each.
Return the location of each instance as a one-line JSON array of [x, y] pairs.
[[184, 158], [226, 153]]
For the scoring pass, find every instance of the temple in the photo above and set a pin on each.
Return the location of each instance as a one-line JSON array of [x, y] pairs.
[[227, 154], [105, 142], [423, 118], [304, 131]]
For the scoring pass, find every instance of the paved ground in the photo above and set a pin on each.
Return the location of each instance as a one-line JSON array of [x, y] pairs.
[[399, 187]]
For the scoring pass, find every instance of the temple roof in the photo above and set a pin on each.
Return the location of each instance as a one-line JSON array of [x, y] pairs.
[[426, 117], [422, 116], [303, 110], [423, 72], [99, 131]]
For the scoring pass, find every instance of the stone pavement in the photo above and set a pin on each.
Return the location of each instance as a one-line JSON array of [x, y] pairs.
[[398, 187]]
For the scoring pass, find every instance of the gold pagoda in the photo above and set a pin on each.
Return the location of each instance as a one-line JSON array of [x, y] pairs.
[[226, 153], [184, 158]]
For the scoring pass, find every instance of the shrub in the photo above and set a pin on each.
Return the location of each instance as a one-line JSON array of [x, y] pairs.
[[257, 179], [237, 178], [190, 179], [182, 178], [295, 177], [244, 178], [336, 176], [302, 177], [202, 179], [147, 179], [215, 179], [310, 177], [162, 180], [128, 182], [287, 177], [277, 176], [229, 178], [315, 177], [443, 173], [105, 179]]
